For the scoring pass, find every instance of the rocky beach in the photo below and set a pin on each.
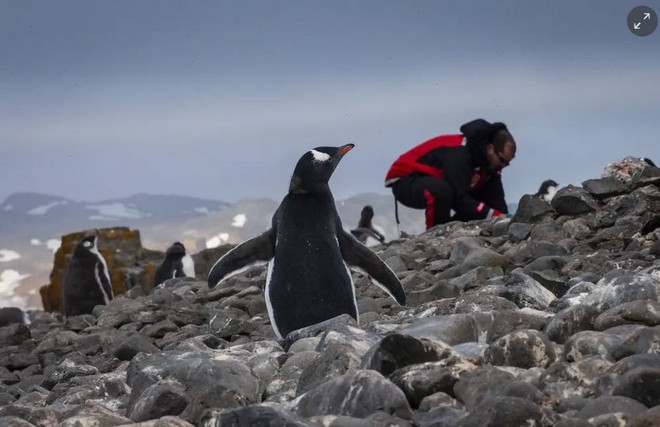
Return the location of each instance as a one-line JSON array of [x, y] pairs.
[[549, 318]]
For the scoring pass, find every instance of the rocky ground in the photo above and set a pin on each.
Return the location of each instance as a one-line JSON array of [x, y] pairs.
[[551, 318]]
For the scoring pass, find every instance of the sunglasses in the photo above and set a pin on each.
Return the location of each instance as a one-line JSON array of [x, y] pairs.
[[504, 160]]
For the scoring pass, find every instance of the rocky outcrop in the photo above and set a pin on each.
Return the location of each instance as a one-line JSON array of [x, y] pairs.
[[549, 320]]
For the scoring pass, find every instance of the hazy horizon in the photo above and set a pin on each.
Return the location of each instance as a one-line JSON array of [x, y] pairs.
[[103, 100]]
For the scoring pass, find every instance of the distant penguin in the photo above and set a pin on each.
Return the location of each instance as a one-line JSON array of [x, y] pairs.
[[176, 264], [308, 280], [648, 161], [9, 315], [87, 281], [365, 229], [547, 190]]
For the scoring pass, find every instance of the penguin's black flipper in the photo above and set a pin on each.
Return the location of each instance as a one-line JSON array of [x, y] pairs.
[[357, 255], [260, 248]]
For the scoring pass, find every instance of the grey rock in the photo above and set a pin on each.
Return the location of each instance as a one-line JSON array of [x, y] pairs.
[[622, 287], [435, 292], [645, 312], [133, 345], [526, 252], [228, 322], [570, 403], [421, 380], [519, 231], [210, 381], [359, 340], [523, 390], [14, 422], [357, 394], [613, 419], [92, 414], [641, 384], [505, 411], [637, 339], [570, 321], [334, 362], [565, 380], [526, 292], [66, 370], [644, 360], [604, 187], [438, 417], [252, 415], [476, 385], [550, 232], [336, 323], [610, 404], [532, 209], [649, 418], [571, 200], [589, 343], [14, 334], [504, 323], [475, 278], [283, 388], [396, 351], [522, 349], [452, 329], [468, 253], [166, 397], [159, 329], [437, 399]]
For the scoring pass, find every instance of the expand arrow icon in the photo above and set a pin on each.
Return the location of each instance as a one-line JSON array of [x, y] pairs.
[[647, 15], [636, 26]]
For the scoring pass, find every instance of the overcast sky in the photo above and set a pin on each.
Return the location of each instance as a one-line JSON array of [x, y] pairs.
[[103, 99]]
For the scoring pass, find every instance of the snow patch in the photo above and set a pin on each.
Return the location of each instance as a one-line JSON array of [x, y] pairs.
[[35, 242], [42, 210], [202, 210], [216, 241], [239, 220], [117, 210], [53, 244], [7, 208], [7, 255], [9, 281]]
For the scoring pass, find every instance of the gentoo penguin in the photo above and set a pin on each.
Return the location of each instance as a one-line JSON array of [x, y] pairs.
[[176, 264], [308, 280], [648, 161], [9, 315], [365, 229], [547, 190], [87, 281]]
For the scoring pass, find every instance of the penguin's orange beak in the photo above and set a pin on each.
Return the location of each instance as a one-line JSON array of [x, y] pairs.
[[346, 148]]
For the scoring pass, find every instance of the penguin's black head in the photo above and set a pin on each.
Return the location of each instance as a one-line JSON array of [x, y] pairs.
[[547, 190], [315, 167], [86, 246], [648, 161], [177, 250], [367, 212]]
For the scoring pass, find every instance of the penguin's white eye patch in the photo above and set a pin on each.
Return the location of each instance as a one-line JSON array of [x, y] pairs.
[[87, 244], [319, 156]]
